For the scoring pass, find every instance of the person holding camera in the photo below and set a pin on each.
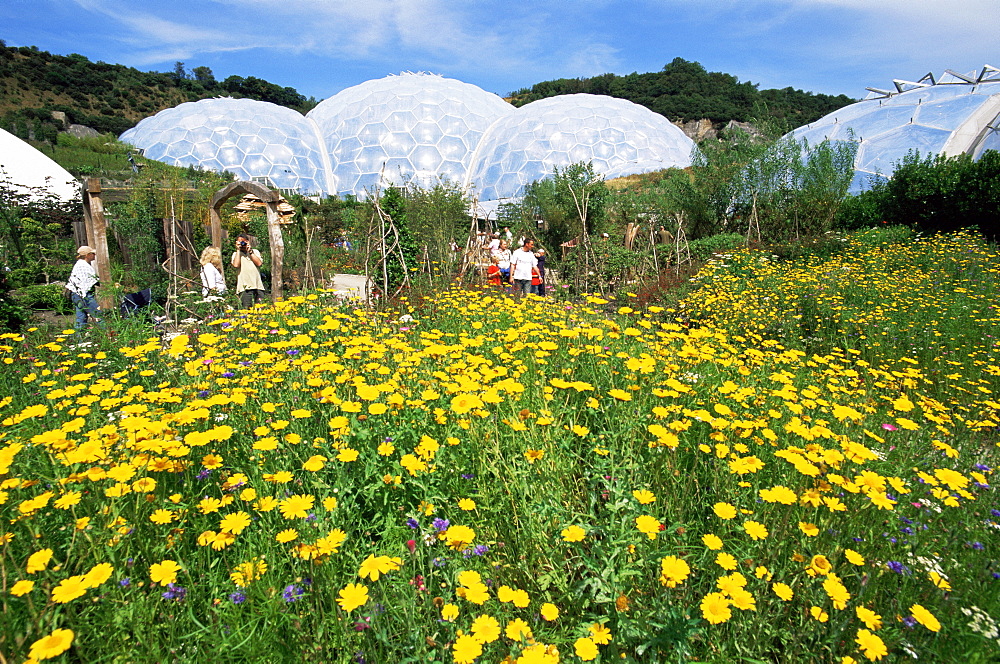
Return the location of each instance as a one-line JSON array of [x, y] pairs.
[[249, 285]]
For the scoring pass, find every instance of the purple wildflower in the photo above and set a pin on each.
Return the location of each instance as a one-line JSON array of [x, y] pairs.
[[292, 592], [237, 597], [898, 567], [174, 591], [441, 525], [412, 523]]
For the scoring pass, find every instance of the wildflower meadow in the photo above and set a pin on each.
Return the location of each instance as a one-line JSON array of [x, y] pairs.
[[794, 463]]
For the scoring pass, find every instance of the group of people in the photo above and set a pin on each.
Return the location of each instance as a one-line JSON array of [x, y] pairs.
[[523, 268], [83, 280]]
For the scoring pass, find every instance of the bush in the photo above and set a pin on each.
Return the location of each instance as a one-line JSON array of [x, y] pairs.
[[704, 247], [44, 297], [933, 194]]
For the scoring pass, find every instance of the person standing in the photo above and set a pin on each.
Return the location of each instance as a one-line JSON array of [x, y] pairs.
[[540, 289], [82, 283], [522, 262], [249, 285], [502, 255], [212, 281]]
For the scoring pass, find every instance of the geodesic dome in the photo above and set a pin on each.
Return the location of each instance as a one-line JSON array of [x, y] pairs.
[[950, 115], [246, 137], [28, 171], [413, 125], [617, 136]]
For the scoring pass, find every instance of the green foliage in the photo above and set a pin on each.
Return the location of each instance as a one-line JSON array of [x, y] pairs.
[[139, 249], [393, 203], [818, 246], [48, 297], [333, 217], [437, 215], [570, 203], [108, 98], [13, 314], [784, 190], [703, 248], [933, 194], [684, 90], [36, 243], [882, 236]]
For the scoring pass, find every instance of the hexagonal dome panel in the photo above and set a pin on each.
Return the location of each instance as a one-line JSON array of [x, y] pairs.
[[408, 126], [246, 137], [617, 136], [950, 115]]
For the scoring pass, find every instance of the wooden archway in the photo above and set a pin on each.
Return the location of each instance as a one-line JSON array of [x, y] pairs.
[[270, 199]]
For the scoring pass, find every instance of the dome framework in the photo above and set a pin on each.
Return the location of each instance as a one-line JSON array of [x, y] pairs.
[[948, 115]]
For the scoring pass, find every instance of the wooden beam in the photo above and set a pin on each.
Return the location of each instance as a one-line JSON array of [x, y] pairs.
[[99, 237], [277, 251]]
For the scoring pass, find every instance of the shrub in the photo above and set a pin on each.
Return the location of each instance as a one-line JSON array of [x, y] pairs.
[[704, 247], [45, 297]]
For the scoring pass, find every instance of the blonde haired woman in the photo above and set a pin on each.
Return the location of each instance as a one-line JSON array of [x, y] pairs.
[[212, 280]]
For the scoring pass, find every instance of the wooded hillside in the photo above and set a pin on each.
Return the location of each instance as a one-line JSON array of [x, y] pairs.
[[685, 91], [108, 98]]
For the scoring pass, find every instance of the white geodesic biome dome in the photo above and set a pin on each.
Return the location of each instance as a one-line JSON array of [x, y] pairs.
[[951, 115], [412, 127], [617, 136], [246, 137], [392, 129], [30, 172]]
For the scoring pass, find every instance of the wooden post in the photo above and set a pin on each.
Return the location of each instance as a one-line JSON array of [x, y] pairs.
[[97, 235], [216, 221], [277, 250]]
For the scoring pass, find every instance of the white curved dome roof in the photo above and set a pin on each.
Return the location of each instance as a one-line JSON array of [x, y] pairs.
[[412, 125], [243, 136], [955, 114], [32, 172], [617, 136]]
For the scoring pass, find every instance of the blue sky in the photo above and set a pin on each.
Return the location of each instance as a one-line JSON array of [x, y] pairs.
[[321, 47]]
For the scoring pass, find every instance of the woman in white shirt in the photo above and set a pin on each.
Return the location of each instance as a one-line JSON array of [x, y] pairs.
[[502, 254], [212, 280]]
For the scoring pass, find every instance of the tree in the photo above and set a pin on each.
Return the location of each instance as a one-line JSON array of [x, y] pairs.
[[401, 249], [204, 75], [179, 74]]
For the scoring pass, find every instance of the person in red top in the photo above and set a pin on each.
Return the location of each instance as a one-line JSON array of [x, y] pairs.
[[493, 273]]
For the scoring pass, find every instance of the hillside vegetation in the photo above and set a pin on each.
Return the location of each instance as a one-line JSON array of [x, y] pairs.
[[109, 98], [685, 91]]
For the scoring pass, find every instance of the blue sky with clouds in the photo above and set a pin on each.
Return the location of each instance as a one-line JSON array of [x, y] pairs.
[[321, 47]]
